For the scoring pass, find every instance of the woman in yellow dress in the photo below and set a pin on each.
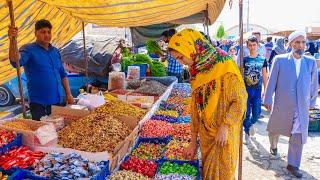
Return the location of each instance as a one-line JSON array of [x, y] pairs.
[[218, 103]]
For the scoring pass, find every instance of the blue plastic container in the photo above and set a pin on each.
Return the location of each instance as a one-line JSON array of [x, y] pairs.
[[17, 142], [25, 174]]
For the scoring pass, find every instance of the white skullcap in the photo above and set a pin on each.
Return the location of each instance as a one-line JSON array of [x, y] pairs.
[[296, 34]]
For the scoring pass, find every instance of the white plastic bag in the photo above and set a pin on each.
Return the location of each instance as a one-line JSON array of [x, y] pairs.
[[57, 121], [92, 101], [46, 133]]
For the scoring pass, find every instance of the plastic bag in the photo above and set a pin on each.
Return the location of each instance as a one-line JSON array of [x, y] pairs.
[[116, 67], [46, 133], [92, 101], [133, 72], [116, 81], [57, 121]]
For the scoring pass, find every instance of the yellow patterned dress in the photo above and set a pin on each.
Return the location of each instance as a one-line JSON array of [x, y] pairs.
[[218, 98], [220, 162]]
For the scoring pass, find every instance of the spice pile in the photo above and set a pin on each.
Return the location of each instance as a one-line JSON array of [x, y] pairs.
[[94, 133], [153, 88], [115, 108]]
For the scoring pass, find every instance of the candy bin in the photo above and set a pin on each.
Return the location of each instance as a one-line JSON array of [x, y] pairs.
[[144, 167]]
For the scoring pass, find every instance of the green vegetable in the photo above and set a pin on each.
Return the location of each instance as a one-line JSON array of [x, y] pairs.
[[158, 69], [153, 47], [126, 52]]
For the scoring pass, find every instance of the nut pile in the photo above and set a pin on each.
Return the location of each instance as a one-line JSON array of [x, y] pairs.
[[126, 175], [18, 125], [72, 166], [154, 88], [94, 133], [149, 151], [155, 129], [175, 150], [117, 107]]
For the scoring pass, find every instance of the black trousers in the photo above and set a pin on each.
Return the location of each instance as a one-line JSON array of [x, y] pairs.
[[39, 110]]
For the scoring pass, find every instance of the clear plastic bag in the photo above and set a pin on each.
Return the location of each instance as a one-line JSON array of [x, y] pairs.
[[133, 72], [116, 81]]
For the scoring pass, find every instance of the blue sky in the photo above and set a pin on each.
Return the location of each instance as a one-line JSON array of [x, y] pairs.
[[274, 14]]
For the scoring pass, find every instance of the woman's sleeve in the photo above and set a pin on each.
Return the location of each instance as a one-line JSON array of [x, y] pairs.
[[194, 115], [236, 99]]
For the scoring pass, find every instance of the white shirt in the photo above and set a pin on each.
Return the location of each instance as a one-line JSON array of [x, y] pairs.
[[297, 63], [296, 120]]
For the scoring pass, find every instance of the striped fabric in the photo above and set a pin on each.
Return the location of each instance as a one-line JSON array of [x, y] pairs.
[[66, 17]]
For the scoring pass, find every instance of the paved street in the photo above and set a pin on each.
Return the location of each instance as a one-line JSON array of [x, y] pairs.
[[259, 164]]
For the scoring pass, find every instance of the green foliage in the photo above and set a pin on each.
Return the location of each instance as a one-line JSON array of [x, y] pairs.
[[153, 47], [220, 32]]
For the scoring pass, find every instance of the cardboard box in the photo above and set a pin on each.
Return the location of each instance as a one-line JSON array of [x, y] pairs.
[[114, 157], [69, 114], [29, 137]]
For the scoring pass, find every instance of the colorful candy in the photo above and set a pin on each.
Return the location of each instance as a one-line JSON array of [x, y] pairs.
[[3, 176], [184, 119], [21, 157], [145, 167], [167, 113], [126, 175], [94, 133], [184, 169], [148, 151], [155, 129], [175, 150], [72, 166], [174, 176], [181, 131], [6, 137], [168, 119]]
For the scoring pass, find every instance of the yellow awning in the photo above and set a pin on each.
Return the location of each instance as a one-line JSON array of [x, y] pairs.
[[66, 17]]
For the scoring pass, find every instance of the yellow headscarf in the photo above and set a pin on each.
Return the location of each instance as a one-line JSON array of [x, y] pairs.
[[209, 66]]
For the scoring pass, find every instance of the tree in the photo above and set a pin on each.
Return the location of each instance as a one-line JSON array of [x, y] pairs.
[[220, 32]]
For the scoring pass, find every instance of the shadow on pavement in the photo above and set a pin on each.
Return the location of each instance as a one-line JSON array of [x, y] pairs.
[[263, 159]]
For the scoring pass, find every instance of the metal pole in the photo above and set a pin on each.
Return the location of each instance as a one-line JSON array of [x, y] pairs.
[[242, 71], [85, 55], [13, 41]]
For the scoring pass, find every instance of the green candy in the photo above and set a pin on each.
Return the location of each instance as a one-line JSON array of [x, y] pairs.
[[184, 169]]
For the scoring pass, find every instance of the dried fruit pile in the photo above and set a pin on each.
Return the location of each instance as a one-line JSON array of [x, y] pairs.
[[94, 133]]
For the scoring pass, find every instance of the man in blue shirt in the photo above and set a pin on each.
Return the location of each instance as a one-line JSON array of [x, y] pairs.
[[174, 67], [43, 68], [255, 73]]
